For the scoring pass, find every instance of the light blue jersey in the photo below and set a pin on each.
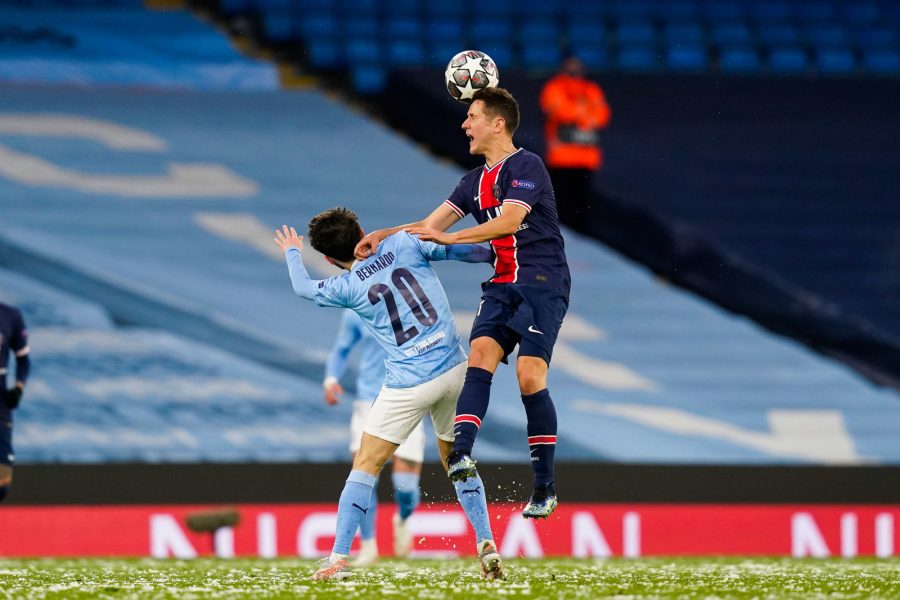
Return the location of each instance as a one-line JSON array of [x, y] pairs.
[[400, 300], [370, 372]]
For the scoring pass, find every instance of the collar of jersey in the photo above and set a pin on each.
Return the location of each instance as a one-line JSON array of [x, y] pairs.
[[501, 161]]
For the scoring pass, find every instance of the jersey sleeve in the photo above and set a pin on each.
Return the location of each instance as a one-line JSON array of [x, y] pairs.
[[459, 198], [333, 292], [528, 182], [429, 250], [18, 342]]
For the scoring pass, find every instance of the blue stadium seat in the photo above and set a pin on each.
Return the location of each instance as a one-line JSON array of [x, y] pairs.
[[587, 33], [687, 58], [544, 9], [725, 10], [323, 52], [739, 59], [676, 10], [636, 32], [836, 61], [813, 11], [490, 30], [772, 34], [359, 8], [403, 27], [537, 32], [363, 51], [319, 24], [594, 57], [768, 11], [445, 9], [368, 79], [278, 26], [493, 9], [637, 58], [364, 27], [859, 12], [447, 29], [683, 33], [733, 33], [876, 37], [630, 9], [541, 56], [788, 60], [406, 53], [882, 62], [401, 8], [439, 52], [303, 6], [827, 35], [585, 10]]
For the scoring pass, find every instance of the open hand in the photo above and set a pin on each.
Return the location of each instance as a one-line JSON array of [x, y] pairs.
[[287, 237], [428, 234]]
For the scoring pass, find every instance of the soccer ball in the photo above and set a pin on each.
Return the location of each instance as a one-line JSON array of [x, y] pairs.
[[468, 72]]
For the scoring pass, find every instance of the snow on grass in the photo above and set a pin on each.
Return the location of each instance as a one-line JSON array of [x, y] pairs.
[[459, 579]]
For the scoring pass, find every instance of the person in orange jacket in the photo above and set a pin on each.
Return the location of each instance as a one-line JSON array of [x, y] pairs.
[[575, 110]]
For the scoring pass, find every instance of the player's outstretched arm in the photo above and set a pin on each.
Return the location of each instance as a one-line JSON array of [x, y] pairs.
[[440, 219], [506, 224], [291, 244]]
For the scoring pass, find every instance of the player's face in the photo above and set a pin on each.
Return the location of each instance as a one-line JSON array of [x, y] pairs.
[[478, 127]]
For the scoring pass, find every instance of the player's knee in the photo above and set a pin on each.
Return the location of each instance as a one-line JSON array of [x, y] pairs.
[[532, 378], [485, 353]]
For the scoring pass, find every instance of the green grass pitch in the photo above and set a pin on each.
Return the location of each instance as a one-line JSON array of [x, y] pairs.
[[439, 579]]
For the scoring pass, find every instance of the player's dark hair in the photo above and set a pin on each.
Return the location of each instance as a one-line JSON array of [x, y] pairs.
[[499, 103], [335, 233]]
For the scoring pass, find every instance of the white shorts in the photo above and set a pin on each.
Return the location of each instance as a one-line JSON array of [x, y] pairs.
[[397, 411], [413, 449]]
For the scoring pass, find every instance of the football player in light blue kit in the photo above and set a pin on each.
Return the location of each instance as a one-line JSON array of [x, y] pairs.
[[409, 456], [400, 299]]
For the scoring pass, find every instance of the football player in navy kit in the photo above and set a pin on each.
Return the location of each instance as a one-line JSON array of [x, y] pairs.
[[524, 303], [13, 338]]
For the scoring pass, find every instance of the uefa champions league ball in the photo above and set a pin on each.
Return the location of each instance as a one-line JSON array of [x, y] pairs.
[[468, 72]]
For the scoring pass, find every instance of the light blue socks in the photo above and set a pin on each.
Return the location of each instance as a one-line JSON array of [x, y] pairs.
[[353, 507], [406, 493], [474, 502]]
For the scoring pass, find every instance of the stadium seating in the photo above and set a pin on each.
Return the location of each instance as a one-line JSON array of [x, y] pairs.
[[828, 38], [643, 371]]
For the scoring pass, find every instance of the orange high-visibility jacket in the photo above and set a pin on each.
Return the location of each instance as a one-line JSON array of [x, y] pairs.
[[575, 110]]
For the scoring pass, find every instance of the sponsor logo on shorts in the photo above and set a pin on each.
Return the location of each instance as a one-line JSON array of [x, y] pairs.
[[533, 329]]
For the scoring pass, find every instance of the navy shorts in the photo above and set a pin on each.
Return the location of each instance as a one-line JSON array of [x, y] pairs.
[[7, 456], [523, 314]]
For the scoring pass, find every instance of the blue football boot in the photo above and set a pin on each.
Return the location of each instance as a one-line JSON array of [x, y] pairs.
[[542, 503]]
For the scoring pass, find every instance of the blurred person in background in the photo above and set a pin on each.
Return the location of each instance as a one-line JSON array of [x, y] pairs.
[[409, 455], [575, 110], [13, 339]]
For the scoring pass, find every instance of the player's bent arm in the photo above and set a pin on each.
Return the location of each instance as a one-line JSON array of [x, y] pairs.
[[506, 224], [302, 284], [470, 253], [337, 362], [440, 218]]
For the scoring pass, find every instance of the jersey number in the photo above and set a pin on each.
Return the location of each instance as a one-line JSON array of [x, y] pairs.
[[415, 297]]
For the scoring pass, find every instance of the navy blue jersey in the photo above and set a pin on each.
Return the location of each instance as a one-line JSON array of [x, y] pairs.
[[535, 254], [13, 337]]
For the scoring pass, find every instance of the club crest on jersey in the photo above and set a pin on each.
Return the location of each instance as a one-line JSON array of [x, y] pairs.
[[522, 183], [496, 191]]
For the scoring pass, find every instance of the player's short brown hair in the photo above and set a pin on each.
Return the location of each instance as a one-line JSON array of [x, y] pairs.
[[335, 233], [499, 103]]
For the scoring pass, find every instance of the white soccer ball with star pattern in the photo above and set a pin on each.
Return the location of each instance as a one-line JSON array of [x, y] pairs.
[[468, 72]]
